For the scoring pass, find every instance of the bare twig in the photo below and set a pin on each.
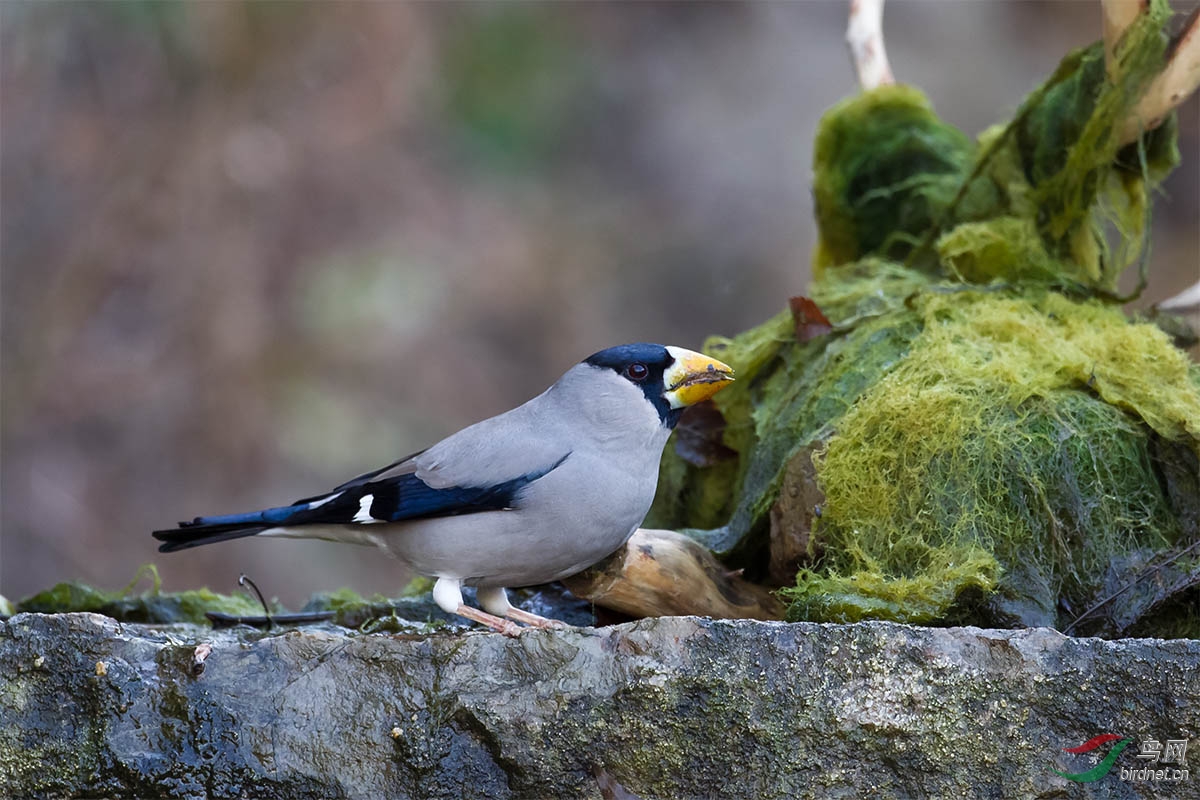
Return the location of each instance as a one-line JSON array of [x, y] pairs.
[[864, 35], [1138, 579], [243, 581]]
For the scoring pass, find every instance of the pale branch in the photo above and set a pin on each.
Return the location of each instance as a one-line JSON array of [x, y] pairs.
[[864, 35], [1118, 15], [1171, 87], [1186, 301]]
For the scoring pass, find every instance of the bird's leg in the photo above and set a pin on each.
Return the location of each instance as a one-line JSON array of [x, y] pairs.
[[536, 620], [498, 624], [447, 593], [495, 600]]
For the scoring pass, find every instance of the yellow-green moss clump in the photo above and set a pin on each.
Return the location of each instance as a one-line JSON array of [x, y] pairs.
[[994, 440], [884, 144], [1017, 432]]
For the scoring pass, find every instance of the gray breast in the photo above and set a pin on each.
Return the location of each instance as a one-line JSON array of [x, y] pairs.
[[570, 518]]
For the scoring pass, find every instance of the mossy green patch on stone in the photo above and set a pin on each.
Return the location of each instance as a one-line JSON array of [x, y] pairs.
[[968, 442], [990, 434], [153, 605]]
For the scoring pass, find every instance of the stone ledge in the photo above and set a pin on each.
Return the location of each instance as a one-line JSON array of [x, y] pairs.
[[673, 707]]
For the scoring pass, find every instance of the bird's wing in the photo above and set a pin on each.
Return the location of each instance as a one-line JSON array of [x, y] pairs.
[[397, 467], [481, 468], [407, 496], [526, 440]]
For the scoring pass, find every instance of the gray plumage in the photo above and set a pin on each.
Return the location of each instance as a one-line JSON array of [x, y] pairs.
[[567, 520], [527, 497]]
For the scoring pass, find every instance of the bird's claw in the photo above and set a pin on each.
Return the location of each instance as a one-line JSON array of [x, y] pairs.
[[509, 628]]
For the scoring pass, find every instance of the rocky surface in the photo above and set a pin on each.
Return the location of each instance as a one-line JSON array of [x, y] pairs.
[[675, 707]]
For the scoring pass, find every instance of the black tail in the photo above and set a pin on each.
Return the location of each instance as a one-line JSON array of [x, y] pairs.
[[194, 534]]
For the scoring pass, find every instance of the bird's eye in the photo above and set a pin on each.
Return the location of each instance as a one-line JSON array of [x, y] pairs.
[[636, 372]]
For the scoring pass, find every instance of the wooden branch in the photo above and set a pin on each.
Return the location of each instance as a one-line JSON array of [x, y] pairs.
[[1170, 87], [864, 35], [663, 573], [1118, 16]]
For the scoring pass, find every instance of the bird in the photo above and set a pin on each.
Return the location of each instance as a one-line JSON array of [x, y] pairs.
[[529, 496]]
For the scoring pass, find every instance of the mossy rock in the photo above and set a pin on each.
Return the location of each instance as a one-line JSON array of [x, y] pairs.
[[150, 606], [993, 441], [413, 611], [969, 444]]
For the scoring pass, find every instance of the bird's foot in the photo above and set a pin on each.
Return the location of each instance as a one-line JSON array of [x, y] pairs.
[[495, 600], [498, 624], [535, 620]]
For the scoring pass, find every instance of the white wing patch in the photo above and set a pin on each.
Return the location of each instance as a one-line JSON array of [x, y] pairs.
[[324, 500], [364, 510]]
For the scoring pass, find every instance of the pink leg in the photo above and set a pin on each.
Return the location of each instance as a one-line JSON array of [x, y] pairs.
[[507, 627], [447, 593], [536, 620], [495, 600]]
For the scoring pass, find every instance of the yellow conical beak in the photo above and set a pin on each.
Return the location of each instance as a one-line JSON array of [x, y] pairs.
[[694, 377]]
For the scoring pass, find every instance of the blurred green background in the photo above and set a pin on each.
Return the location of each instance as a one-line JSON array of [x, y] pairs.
[[250, 249]]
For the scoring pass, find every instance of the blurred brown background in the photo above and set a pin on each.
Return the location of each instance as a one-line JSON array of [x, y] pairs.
[[252, 249]]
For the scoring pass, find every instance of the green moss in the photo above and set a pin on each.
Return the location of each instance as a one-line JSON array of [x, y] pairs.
[[864, 289], [1014, 432], [1032, 201], [780, 404], [1070, 136], [984, 447], [868, 593], [1005, 248], [337, 600], [152, 606], [970, 443], [885, 169], [418, 586]]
